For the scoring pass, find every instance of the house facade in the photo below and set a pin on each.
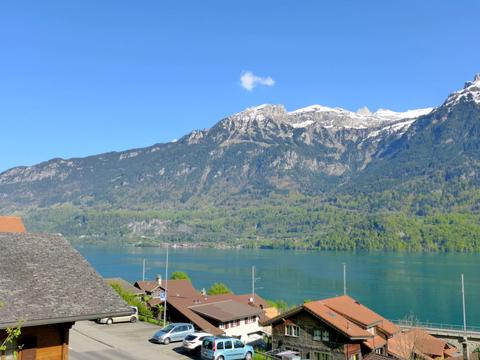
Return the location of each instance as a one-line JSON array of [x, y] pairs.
[[315, 332]]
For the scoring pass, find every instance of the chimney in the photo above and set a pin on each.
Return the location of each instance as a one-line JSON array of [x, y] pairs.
[[159, 279], [465, 349]]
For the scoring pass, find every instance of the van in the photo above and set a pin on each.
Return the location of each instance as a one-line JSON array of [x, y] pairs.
[[225, 348], [129, 318]]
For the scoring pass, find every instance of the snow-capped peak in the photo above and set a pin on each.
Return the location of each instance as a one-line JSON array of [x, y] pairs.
[[470, 92]]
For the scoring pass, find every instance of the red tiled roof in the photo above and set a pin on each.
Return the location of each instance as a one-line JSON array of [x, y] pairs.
[[375, 343], [360, 314], [338, 321], [11, 224], [419, 341]]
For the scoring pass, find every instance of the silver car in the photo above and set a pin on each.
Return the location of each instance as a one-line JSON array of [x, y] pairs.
[[173, 332]]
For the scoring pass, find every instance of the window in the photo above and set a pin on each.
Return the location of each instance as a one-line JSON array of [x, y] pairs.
[[354, 357], [321, 335], [228, 344], [238, 344], [220, 345], [292, 330], [235, 323], [321, 356], [379, 351], [221, 326], [250, 319]]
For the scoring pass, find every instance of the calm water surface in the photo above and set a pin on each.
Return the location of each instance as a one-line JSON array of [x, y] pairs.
[[394, 284]]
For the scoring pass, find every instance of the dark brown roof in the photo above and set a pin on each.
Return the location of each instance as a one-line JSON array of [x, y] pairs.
[[11, 224], [43, 280], [181, 287], [146, 285], [184, 304], [226, 310]]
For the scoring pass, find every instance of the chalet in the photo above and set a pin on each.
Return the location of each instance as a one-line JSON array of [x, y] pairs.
[[45, 287], [336, 328], [219, 315], [11, 224], [226, 314]]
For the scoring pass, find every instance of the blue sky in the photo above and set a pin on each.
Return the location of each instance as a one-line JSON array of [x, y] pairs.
[[84, 77]]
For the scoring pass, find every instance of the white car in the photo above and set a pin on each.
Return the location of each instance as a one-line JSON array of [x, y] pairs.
[[193, 342], [129, 318]]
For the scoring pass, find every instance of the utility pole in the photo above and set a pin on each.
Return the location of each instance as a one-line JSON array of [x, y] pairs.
[[465, 337], [344, 279], [143, 271], [166, 292], [253, 284], [464, 312]]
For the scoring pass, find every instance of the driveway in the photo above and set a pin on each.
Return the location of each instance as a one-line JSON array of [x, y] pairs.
[[125, 341]]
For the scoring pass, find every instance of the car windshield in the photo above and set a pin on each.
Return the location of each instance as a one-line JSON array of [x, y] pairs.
[[190, 337], [167, 328], [208, 344]]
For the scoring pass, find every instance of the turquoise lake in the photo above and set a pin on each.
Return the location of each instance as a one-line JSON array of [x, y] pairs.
[[393, 284]]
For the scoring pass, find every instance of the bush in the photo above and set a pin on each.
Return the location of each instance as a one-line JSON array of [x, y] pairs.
[[180, 275], [218, 289]]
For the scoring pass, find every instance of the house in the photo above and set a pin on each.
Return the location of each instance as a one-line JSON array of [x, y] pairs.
[[417, 343], [11, 224], [45, 287], [334, 328], [225, 314], [218, 315], [381, 328]]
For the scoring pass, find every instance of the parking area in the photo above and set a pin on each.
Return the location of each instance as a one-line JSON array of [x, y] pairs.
[[123, 341]]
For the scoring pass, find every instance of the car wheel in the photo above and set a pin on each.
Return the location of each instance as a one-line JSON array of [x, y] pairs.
[[166, 341], [109, 321], [133, 319], [248, 356], [220, 358]]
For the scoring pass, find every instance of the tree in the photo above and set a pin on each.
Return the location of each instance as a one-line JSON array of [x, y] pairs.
[[180, 275], [12, 334], [219, 288]]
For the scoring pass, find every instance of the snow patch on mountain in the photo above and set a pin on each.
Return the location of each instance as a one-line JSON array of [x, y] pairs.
[[470, 92]]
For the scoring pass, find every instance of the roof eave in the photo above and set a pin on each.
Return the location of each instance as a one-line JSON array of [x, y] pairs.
[[60, 320]]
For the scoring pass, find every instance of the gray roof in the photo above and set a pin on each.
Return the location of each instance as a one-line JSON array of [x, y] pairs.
[[43, 280]]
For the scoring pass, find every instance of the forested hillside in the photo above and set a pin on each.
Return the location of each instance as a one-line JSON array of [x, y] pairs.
[[312, 178]]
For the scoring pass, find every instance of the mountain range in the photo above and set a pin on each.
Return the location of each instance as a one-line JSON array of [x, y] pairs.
[[316, 177]]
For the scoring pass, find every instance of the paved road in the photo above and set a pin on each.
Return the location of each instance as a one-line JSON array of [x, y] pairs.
[[91, 341]]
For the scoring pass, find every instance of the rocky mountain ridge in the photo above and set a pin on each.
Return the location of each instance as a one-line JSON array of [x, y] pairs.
[[266, 151]]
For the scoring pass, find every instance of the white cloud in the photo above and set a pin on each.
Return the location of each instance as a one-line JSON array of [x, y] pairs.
[[249, 80]]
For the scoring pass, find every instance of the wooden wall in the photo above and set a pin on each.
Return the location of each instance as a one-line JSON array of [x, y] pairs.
[[47, 342]]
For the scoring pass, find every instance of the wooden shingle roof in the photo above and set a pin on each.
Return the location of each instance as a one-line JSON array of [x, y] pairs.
[[43, 280]]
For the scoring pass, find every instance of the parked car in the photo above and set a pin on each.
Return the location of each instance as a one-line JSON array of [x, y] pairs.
[[193, 342], [225, 348], [129, 318], [173, 332]]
